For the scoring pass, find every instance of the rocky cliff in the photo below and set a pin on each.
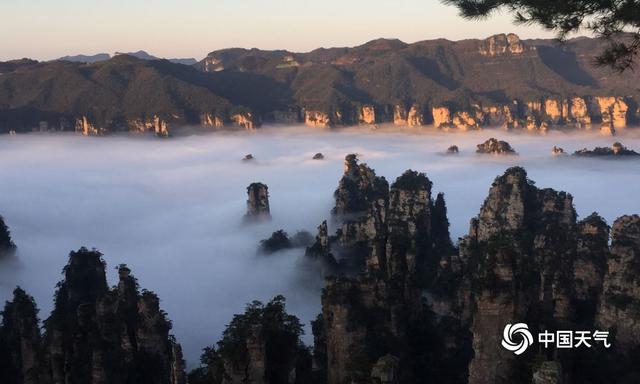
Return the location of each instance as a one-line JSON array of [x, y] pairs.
[[257, 203], [419, 310], [375, 325], [20, 342], [518, 259], [260, 346], [502, 45], [94, 334], [499, 81], [620, 302]]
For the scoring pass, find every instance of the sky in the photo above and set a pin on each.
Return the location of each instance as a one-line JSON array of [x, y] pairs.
[[45, 29]]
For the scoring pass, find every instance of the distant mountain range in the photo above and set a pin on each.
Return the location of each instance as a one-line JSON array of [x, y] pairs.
[[139, 54], [534, 84]]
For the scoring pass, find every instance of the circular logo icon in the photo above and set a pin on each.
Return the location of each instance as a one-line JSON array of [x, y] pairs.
[[516, 338]]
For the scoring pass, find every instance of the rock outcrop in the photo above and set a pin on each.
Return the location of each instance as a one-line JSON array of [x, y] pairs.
[[86, 128], [502, 45], [20, 342], [557, 151], [613, 112], [257, 203], [464, 121], [245, 120], [211, 121], [521, 245], [413, 117], [526, 259], [452, 150], [495, 147], [616, 150], [7, 246], [578, 112], [94, 334], [358, 188], [620, 302], [442, 117], [261, 346], [499, 81], [317, 119], [367, 115], [373, 314]]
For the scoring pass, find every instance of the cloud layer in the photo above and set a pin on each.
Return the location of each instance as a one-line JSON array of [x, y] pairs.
[[172, 209]]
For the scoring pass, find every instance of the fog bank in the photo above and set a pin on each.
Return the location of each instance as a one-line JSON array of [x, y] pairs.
[[172, 209]]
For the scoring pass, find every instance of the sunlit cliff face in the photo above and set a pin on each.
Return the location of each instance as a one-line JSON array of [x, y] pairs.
[[173, 209]]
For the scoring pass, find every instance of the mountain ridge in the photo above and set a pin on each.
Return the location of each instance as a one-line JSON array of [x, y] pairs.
[[535, 84]]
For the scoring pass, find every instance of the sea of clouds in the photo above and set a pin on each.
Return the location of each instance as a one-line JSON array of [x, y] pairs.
[[172, 209]]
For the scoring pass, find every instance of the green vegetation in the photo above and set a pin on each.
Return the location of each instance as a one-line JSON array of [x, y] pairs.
[[280, 240], [6, 244], [412, 181], [608, 19], [262, 328]]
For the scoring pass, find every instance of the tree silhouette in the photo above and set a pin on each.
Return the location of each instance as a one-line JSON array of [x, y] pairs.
[[616, 20]]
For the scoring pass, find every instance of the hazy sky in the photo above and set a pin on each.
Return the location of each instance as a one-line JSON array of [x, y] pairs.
[[45, 29]]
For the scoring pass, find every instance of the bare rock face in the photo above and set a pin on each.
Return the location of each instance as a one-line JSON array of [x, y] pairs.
[[156, 125], [613, 111], [616, 150], [590, 266], [522, 244], [382, 302], [442, 117], [87, 128], [317, 119], [400, 115], [495, 146], [358, 188], [7, 247], [210, 120], [553, 110], [465, 121], [621, 296], [160, 127], [414, 117], [578, 112], [361, 202], [367, 115], [526, 259], [501, 115], [408, 222], [257, 203], [93, 335], [502, 44], [245, 120], [320, 251]]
